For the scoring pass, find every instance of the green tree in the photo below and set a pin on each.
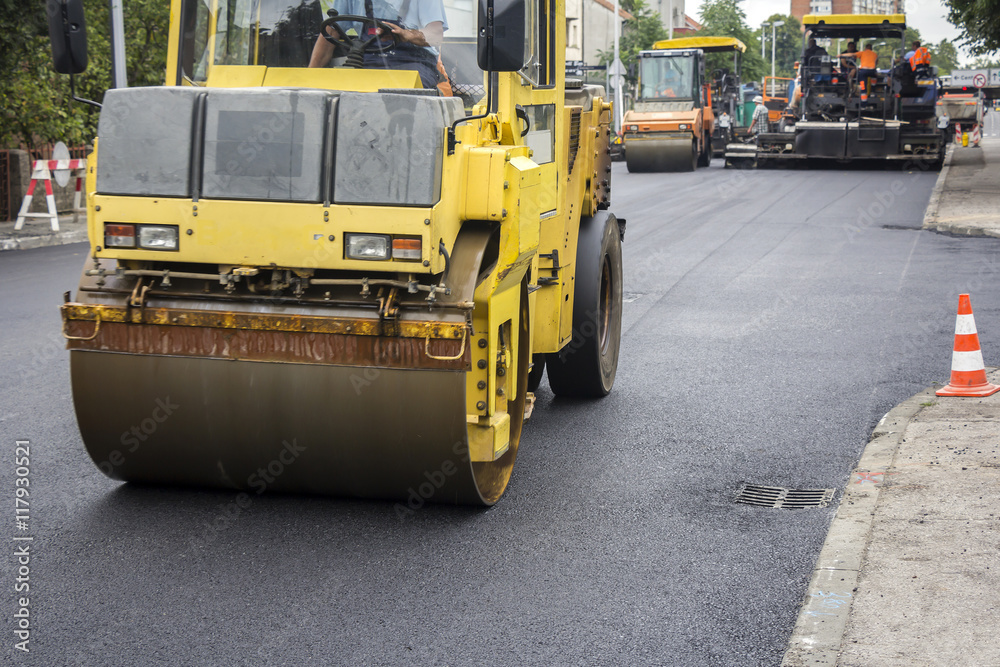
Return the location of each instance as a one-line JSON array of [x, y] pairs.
[[638, 34], [35, 102], [986, 63], [726, 18], [788, 44], [979, 21], [944, 56]]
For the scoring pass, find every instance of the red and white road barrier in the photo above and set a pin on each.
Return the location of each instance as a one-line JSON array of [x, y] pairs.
[[968, 372], [977, 134], [42, 171]]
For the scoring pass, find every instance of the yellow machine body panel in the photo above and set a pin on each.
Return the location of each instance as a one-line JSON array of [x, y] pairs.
[[853, 20], [706, 44], [323, 256]]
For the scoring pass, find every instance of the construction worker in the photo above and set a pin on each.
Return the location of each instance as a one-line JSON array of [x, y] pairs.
[[759, 123], [725, 126], [847, 63], [444, 81], [813, 54], [669, 80], [919, 56], [867, 62]]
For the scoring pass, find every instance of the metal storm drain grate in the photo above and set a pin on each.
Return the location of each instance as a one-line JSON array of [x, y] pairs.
[[776, 496]]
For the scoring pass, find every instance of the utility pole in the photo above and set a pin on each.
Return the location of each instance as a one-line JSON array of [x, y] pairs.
[[774, 27], [671, 11], [763, 37], [617, 73], [118, 77]]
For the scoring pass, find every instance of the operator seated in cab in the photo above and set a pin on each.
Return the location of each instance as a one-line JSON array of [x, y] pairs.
[[848, 65], [919, 58], [417, 31], [670, 81], [813, 58]]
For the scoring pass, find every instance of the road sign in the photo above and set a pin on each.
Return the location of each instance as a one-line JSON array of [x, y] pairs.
[[979, 80], [60, 152], [965, 77]]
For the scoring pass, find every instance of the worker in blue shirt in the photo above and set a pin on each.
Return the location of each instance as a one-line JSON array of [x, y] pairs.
[[418, 27]]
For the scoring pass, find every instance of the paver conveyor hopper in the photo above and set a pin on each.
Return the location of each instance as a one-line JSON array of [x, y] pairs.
[[328, 281]]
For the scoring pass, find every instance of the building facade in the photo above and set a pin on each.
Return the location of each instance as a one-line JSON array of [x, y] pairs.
[[590, 27]]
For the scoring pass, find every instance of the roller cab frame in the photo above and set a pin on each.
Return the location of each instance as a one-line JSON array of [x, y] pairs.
[[334, 272], [670, 124]]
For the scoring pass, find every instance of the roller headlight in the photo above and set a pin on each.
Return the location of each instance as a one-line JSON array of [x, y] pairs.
[[157, 237], [142, 237], [367, 246]]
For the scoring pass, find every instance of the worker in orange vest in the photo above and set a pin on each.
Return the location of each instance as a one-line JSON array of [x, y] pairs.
[[867, 61], [919, 56], [444, 81]]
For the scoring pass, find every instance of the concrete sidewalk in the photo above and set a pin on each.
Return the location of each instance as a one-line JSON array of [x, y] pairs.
[[38, 233], [966, 199], [910, 571]]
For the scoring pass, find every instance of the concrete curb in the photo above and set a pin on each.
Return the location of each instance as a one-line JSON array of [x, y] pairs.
[[39, 235], [934, 203], [55, 238], [819, 631]]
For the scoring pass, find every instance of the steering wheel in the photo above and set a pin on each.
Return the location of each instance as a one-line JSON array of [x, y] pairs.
[[357, 46]]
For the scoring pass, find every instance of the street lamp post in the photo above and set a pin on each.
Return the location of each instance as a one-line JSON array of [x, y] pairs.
[[763, 37], [774, 26]]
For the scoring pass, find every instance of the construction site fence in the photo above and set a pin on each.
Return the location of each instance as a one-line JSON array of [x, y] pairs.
[[15, 176]]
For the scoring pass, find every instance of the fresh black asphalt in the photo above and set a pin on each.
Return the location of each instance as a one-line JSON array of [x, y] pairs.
[[771, 318]]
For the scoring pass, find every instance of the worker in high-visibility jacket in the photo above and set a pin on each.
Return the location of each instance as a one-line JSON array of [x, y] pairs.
[[919, 56], [867, 61]]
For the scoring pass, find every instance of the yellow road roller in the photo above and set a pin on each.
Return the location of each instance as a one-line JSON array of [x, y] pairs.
[[331, 279]]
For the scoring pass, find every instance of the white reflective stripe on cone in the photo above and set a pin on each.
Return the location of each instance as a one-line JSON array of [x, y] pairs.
[[964, 362], [964, 325]]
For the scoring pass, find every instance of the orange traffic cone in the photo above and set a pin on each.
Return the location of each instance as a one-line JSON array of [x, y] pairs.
[[968, 372]]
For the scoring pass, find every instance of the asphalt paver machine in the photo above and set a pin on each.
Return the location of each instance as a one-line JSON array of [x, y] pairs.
[[847, 113]]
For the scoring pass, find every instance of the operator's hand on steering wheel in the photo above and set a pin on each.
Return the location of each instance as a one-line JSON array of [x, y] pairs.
[[415, 37], [334, 34]]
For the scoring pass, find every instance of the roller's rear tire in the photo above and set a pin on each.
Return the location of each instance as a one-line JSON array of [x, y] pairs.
[[705, 158], [695, 157], [586, 366], [537, 371]]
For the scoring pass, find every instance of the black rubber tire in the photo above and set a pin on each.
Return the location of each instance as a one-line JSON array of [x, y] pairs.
[[536, 372], [586, 366], [705, 157]]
